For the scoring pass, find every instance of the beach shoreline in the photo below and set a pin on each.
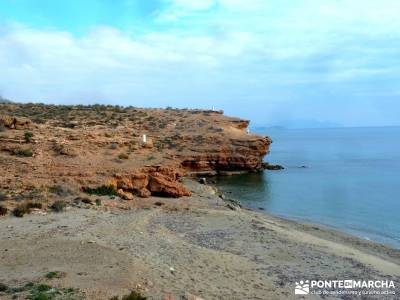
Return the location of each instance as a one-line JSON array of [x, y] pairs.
[[174, 247]]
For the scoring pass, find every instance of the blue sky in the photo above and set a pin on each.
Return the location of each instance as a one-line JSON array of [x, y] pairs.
[[276, 62]]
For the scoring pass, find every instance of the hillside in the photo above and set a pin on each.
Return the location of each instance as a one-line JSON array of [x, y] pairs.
[[4, 100], [53, 150]]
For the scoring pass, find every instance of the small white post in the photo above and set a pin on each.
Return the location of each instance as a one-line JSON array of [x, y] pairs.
[[144, 139], [213, 108], [248, 130]]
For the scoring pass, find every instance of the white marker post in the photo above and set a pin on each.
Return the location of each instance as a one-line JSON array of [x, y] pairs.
[[144, 139]]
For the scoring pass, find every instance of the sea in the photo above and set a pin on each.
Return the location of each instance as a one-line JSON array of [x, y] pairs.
[[344, 178]]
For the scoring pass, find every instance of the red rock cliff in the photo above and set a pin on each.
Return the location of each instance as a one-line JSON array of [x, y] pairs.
[[233, 150], [240, 155], [85, 146]]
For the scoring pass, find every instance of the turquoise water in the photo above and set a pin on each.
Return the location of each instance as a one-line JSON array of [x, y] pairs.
[[351, 180]]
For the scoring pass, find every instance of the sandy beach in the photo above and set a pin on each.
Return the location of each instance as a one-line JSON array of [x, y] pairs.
[[169, 248], [199, 150]]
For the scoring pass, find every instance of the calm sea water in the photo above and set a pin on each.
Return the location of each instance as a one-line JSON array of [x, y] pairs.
[[351, 180]]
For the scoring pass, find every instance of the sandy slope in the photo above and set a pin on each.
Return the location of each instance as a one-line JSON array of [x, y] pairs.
[[215, 252]]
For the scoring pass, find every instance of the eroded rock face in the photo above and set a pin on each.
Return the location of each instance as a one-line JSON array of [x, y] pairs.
[[172, 173], [238, 155], [161, 185], [132, 182], [152, 180], [85, 148], [241, 124]]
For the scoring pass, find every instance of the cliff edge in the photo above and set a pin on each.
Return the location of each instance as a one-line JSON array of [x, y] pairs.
[[84, 147]]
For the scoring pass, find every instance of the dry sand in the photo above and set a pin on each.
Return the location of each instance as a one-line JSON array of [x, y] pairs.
[[192, 245]]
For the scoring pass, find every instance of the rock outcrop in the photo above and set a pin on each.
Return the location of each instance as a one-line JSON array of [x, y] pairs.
[[157, 181], [241, 124], [237, 155], [84, 146], [268, 166], [14, 122]]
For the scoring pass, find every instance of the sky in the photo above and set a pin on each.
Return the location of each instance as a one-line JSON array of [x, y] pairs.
[[304, 63]]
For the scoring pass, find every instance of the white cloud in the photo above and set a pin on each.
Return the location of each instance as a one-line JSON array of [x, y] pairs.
[[53, 65], [193, 4], [230, 50], [243, 5]]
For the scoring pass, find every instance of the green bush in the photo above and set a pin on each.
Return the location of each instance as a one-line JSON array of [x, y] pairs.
[[55, 274], [58, 206], [26, 152], [104, 190], [87, 201], [59, 190], [42, 296], [34, 205], [123, 156], [134, 296], [3, 197], [3, 210], [28, 136], [21, 210], [3, 287], [43, 287]]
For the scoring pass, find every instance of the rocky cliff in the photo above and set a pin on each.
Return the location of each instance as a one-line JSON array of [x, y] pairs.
[[88, 146], [235, 155]]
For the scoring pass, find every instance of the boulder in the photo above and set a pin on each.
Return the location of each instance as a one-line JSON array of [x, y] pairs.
[[125, 195], [14, 122], [21, 122], [267, 166], [189, 296], [132, 182], [144, 193], [151, 180], [161, 185]]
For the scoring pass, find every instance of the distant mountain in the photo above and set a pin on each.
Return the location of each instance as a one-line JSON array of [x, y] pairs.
[[297, 124], [4, 100]]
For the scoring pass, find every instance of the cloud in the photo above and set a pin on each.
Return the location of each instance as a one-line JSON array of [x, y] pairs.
[[193, 4], [106, 63], [236, 54]]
